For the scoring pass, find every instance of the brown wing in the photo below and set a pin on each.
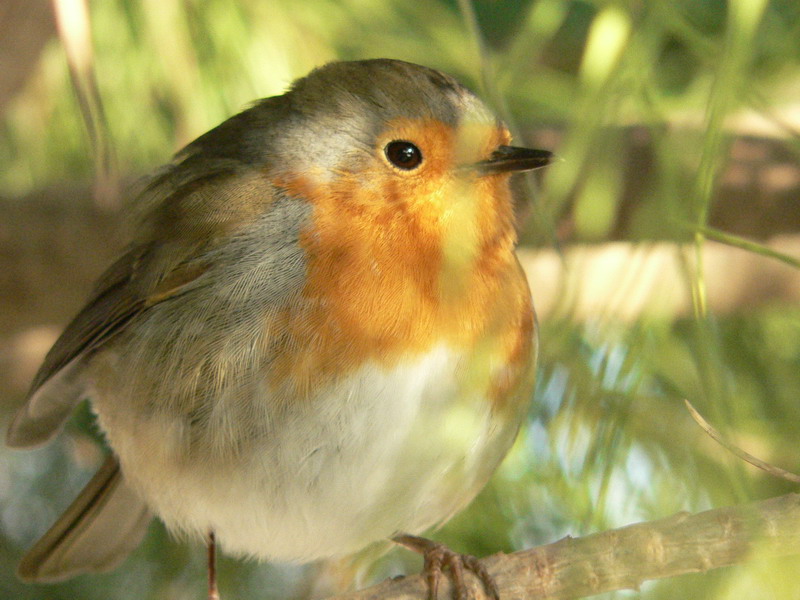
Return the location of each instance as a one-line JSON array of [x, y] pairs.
[[59, 384], [150, 272], [210, 190], [110, 307]]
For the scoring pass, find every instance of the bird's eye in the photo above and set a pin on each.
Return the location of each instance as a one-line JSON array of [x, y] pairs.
[[403, 155]]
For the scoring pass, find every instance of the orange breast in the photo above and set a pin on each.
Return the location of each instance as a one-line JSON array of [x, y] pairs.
[[382, 286]]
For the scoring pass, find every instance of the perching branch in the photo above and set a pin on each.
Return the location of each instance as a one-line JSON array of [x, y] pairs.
[[624, 558]]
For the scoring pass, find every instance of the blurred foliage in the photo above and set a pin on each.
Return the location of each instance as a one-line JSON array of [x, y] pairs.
[[608, 441]]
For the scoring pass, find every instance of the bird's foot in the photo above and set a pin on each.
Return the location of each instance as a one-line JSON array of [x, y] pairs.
[[439, 557], [213, 591]]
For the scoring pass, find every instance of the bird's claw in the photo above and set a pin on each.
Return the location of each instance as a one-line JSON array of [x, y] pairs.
[[439, 557]]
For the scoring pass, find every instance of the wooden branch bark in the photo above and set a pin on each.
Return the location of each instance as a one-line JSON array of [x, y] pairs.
[[626, 281], [624, 558]]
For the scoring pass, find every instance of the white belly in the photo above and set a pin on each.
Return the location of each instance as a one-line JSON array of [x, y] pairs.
[[383, 451]]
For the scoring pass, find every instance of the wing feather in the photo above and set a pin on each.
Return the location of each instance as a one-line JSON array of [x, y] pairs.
[[58, 384]]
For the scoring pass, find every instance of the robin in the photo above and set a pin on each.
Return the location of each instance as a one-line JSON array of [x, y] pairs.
[[320, 336]]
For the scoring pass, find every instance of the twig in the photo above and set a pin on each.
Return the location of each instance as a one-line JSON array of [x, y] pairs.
[[745, 456]]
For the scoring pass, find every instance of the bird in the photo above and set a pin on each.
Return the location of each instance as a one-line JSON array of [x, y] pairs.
[[318, 338]]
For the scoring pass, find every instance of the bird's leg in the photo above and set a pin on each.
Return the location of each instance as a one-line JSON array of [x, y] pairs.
[[213, 592], [437, 557]]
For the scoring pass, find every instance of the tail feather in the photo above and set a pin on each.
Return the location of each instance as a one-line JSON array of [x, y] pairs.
[[97, 532]]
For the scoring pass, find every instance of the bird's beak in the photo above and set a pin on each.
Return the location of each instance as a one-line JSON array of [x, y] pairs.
[[511, 159]]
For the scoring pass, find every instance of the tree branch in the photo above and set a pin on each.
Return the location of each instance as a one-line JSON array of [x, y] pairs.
[[624, 558]]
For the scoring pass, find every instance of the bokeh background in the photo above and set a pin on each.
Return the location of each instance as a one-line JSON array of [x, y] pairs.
[[662, 248]]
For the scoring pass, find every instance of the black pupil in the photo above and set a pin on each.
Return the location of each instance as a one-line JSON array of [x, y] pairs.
[[403, 155]]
